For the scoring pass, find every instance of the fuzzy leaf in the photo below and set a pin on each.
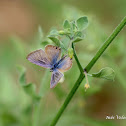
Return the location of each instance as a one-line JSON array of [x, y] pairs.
[[44, 43], [82, 23], [40, 32], [66, 24], [39, 36], [105, 73], [22, 71], [55, 40], [74, 27], [54, 32], [78, 36], [77, 39], [30, 89], [63, 48]]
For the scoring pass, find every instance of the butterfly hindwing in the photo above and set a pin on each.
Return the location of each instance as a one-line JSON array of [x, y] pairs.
[[53, 53], [65, 65], [39, 58], [56, 76]]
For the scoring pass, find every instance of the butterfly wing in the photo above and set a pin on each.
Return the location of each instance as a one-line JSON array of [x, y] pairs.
[[53, 53], [39, 58], [65, 65], [56, 76]]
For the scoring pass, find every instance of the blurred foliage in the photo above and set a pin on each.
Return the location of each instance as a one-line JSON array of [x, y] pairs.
[[86, 108]]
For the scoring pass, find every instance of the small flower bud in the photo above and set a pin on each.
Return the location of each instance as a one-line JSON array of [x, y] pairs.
[[86, 86], [61, 32], [70, 52], [64, 32]]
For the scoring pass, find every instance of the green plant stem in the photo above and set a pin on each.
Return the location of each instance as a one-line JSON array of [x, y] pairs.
[[77, 60], [106, 44], [88, 67], [70, 95]]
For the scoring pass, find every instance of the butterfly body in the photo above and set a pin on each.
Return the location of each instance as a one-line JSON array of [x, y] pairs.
[[51, 58], [56, 65]]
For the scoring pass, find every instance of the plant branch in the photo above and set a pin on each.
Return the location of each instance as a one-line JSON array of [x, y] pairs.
[[106, 44], [88, 67]]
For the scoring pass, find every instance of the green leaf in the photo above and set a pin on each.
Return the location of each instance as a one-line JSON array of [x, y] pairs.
[[77, 39], [82, 23], [105, 73], [55, 40], [78, 36], [74, 27], [40, 32], [66, 25], [39, 36], [54, 32], [44, 43], [64, 43], [22, 71], [63, 48], [30, 89]]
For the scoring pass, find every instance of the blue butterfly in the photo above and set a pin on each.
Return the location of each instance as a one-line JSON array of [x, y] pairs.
[[51, 58]]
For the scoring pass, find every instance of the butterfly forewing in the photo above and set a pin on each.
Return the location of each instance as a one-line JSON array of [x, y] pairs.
[[53, 53], [65, 65], [39, 58], [56, 76]]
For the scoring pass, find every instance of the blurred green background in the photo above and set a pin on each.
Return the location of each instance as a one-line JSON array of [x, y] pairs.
[[19, 21]]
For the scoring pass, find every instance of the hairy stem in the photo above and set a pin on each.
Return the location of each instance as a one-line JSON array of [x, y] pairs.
[[87, 68]]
